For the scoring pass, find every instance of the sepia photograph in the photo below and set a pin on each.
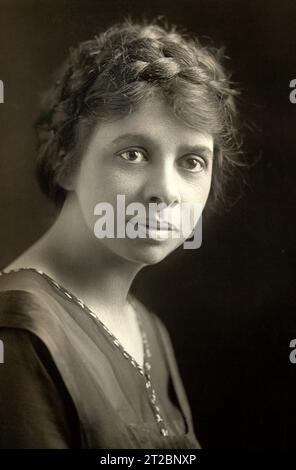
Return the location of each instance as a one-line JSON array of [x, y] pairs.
[[147, 260]]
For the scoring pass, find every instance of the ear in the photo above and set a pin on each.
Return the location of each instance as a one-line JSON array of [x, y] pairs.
[[66, 183], [66, 176]]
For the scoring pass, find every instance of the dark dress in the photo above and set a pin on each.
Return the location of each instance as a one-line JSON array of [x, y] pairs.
[[65, 384]]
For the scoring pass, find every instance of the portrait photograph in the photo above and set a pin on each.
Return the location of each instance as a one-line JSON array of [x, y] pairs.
[[147, 203]]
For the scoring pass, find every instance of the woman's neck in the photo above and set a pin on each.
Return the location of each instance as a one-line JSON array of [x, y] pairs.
[[77, 260]]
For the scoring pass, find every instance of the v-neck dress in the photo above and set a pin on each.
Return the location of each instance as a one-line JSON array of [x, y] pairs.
[[65, 384]]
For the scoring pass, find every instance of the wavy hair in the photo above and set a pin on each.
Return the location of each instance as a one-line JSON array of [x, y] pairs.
[[110, 75]]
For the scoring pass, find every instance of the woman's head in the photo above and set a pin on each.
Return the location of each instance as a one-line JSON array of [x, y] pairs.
[[129, 167], [108, 77]]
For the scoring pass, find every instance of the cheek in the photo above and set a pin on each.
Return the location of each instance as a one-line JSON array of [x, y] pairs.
[[109, 180], [97, 185], [199, 191], [206, 186], [207, 191], [196, 200]]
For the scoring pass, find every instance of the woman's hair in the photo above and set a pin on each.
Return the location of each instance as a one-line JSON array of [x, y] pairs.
[[108, 76]]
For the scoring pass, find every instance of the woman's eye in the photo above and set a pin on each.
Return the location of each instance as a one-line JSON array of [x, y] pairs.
[[193, 164], [133, 156]]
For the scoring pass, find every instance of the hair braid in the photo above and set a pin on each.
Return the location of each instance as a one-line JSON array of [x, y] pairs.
[[112, 73]]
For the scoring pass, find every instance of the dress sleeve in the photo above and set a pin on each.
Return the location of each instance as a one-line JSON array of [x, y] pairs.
[[36, 410]]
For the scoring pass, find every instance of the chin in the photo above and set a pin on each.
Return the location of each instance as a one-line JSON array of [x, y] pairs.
[[142, 252], [149, 254]]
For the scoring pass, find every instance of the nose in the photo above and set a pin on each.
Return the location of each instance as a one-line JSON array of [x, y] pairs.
[[162, 186]]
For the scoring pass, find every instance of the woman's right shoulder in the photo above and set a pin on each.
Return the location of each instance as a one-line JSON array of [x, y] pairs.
[[25, 301]]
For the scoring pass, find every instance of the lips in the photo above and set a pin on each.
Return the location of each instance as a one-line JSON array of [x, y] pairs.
[[156, 225]]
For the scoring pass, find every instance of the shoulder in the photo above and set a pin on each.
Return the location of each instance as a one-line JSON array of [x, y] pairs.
[[22, 291], [27, 302], [36, 330]]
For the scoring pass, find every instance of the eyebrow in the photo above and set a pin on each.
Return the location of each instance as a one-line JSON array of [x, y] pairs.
[[199, 149]]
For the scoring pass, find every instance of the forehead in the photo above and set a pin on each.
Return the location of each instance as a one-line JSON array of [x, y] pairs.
[[154, 121]]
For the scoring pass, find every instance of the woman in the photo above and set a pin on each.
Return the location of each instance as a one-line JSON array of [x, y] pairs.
[[145, 112]]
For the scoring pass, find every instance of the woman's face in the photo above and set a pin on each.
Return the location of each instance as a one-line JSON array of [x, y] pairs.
[[147, 156]]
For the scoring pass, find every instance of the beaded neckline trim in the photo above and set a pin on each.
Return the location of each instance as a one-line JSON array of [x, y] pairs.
[[144, 371]]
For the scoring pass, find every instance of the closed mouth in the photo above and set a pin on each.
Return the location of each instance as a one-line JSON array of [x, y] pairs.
[[155, 225], [158, 227]]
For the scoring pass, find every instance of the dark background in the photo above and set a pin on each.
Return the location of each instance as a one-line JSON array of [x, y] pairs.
[[230, 305]]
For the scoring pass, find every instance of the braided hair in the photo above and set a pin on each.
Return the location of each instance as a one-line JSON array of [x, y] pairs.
[[108, 76]]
